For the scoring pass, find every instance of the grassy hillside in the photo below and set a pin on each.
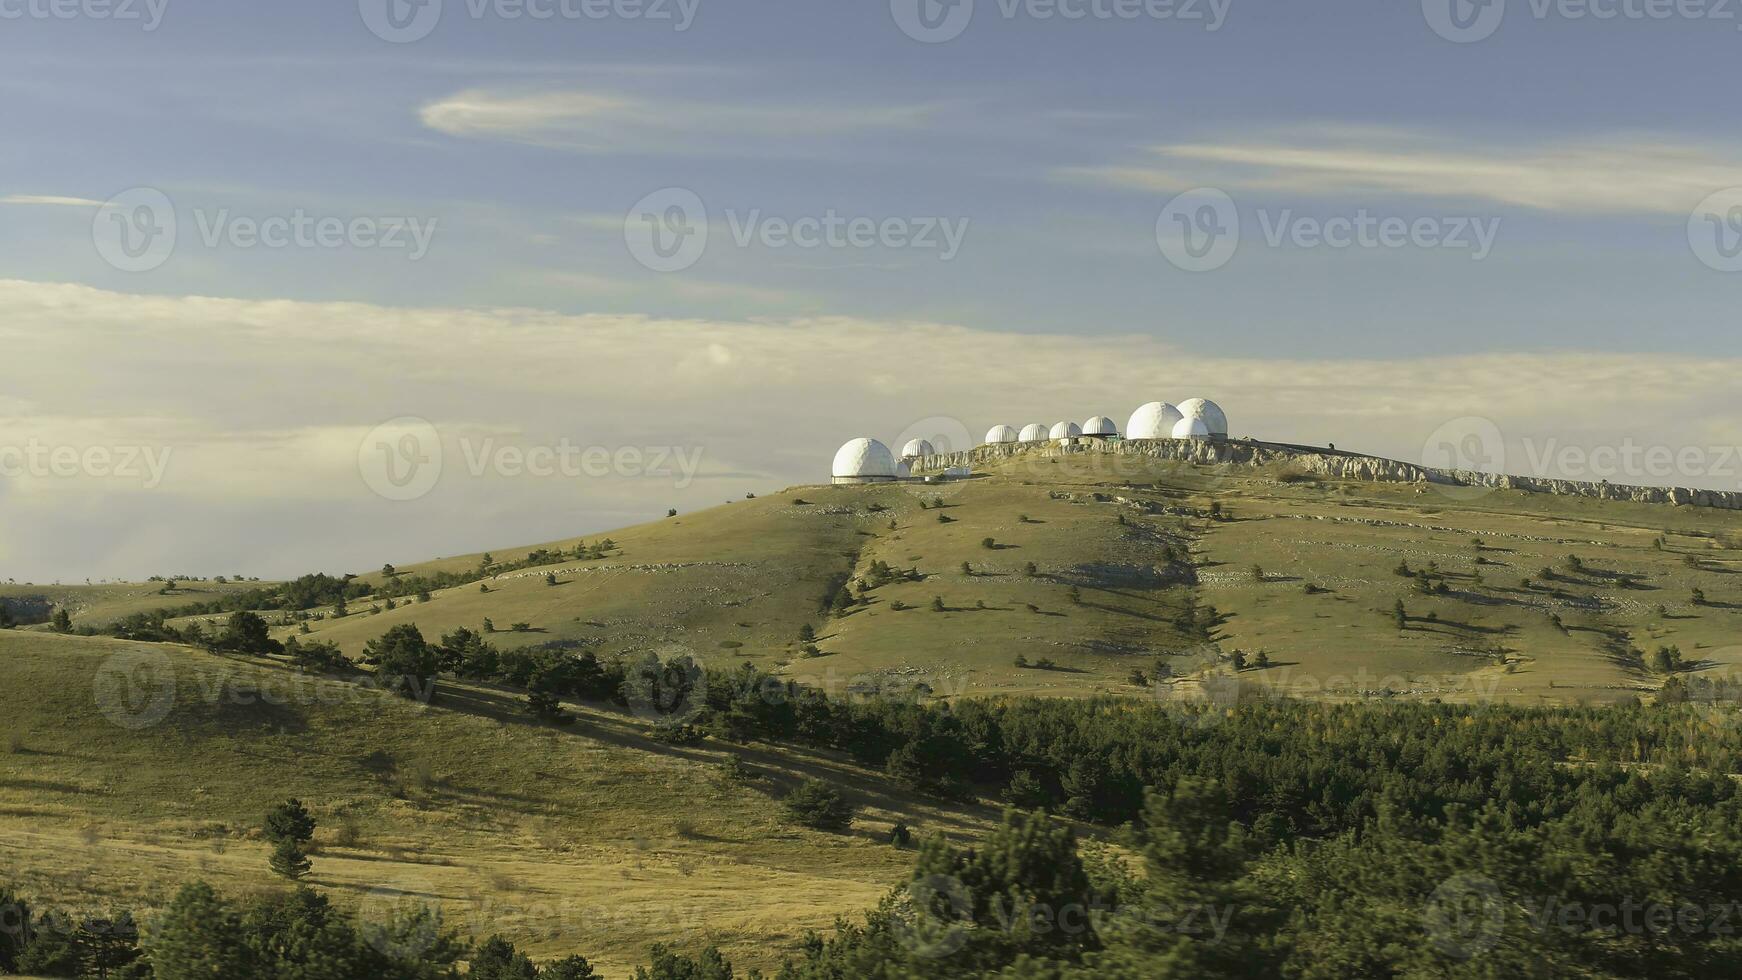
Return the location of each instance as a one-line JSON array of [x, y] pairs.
[[1142, 543], [586, 838], [99, 605]]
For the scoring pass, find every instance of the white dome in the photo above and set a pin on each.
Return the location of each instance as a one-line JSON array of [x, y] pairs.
[[1209, 411], [1032, 433], [916, 447], [1153, 421], [1191, 428], [1100, 425], [864, 459], [1065, 430], [1000, 433]]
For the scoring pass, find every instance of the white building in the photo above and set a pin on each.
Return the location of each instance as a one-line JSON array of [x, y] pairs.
[[999, 434], [1153, 421], [1191, 428], [1100, 427], [1214, 418], [916, 448], [864, 460], [1065, 432], [1034, 432]]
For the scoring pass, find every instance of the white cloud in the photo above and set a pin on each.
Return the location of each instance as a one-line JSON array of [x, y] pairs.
[[52, 200], [265, 403], [1622, 174], [599, 121]]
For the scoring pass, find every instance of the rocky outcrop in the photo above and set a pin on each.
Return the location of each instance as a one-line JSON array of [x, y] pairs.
[[1326, 464]]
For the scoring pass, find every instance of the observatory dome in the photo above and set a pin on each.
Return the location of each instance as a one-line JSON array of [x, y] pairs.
[[916, 448], [1153, 421], [1202, 408], [864, 461], [1191, 428], [1101, 426], [1065, 430], [1000, 433], [1032, 433]]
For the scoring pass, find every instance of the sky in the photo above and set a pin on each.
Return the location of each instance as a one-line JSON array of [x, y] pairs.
[[315, 286]]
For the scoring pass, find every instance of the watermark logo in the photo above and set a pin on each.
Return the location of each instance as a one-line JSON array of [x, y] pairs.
[[1465, 916], [1199, 230], [401, 921], [934, 916], [1715, 230], [932, 21], [1464, 21], [400, 21], [135, 231], [944, 433], [666, 686], [1471, 444], [401, 459], [667, 231], [136, 689]]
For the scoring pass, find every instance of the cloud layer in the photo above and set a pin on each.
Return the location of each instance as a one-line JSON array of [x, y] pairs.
[[1618, 175]]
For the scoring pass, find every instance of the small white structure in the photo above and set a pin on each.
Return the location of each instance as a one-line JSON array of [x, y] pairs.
[[1065, 431], [1034, 432], [916, 448], [1191, 428], [1100, 427], [1214, 418], [958, 473], [1000, 434], [1153, 421], [864, 460]]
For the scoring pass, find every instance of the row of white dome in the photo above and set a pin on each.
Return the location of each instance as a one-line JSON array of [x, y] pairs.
[[1194, 418]]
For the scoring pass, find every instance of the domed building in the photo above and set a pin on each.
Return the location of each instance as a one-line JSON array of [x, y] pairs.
[[1214, 418], [1064, 431], [916, 448], [1153, 421], [1191, 428], [1100, 427], [999, 434], [864, 461], [1032, 433]]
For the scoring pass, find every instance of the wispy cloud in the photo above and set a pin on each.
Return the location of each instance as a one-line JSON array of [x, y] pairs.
[[1623, 174], [52, 200], [598, 121]]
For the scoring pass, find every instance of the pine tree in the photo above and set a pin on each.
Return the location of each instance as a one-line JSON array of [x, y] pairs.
[[288, 860]]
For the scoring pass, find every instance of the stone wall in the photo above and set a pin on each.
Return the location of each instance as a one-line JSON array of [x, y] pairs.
[[1329, 464]]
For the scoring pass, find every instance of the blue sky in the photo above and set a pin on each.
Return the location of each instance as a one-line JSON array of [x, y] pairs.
[[1585, 144]]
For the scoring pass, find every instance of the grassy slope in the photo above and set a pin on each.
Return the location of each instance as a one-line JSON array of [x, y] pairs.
[[99, 605], [587, 839], [739, 581]]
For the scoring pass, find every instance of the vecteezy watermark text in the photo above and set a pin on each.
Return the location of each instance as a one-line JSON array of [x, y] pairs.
[[403, 459], [1469, 21], [937, 21], [39, 460], [405, 21], [668, 231], [138, 230], [147, 13], [1200, 230]]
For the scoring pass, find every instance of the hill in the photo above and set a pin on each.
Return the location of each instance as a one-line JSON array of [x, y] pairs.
[[127, 769], [1105, 564]]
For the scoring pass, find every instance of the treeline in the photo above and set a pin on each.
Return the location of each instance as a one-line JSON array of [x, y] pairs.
[[318, 589], [203, 935], [1611, 886]]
